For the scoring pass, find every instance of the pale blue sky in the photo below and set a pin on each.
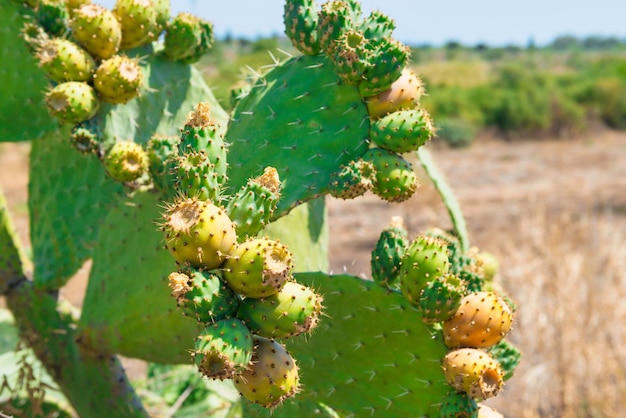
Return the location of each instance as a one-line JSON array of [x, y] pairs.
[[495, 22]]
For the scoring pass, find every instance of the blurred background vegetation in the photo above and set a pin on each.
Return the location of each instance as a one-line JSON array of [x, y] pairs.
[[560, 90]]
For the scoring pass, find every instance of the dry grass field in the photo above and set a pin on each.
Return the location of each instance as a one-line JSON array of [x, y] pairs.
[[554, 212]]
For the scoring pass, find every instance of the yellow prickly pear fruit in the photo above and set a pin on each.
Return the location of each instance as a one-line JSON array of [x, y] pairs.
[[404, 94], [482, 320], [198, 233], [272, 377], [474, 372], [118, 79], [138, 19], [97, 30], [126, 161]]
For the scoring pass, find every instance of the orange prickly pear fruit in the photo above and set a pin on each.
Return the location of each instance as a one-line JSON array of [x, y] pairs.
[[482, 320]]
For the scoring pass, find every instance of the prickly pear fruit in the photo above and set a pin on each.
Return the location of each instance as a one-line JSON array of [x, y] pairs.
[[118, 79], [187, 38], [333, 18], [458, 405], [73, 5], [352, 180], [223, 349], [272, 377], [201, 133], [202, 295], [251, 208], [402, 131], [377, 26], [403, 94], [294, 310], [489, 263], [162, 8], [391, 58], [441, 298], [351, 56], [63, 60], [126, 161], [52, 16], [84, 140], [198, 233], [197, 177], [452, 244], [300, 18], [482, 320], [138, 19], [424, 261], [162, 151], [507, 356], [474, 372], [72, 102], [258, 268], [394, 179], [97, 30], [387, 255]]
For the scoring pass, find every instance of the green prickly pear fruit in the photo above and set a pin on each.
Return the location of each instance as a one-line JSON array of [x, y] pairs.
[[453, 245], [402, 131], [394, 179], [162, 151], [300, 19], [201, 133], [258, 268], [387, 255], [202, 295], [72, 102], [187, 38], [458, 405], [84, 140], [52, 16], [272, 377], [196, 177], [403, 94], [351, 56], [294, 310], [223, 349], [391, 58], [424, 261], [253, 205], [352, 180], [489, 263], [441, 298], [198, 233], [97, 30], [118, 79], [162, 8], [126, 161], [334, 17], [377, 26], [138, 19], [63, 60], [474, 372], [482, 320], [507, 356]]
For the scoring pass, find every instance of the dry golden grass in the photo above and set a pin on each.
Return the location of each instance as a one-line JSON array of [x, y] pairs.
[[568, 274], [454, 73]]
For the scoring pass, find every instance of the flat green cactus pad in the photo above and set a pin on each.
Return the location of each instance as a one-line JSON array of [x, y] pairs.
[[128, 308], [69, 195], [370, 356], [23, 114], [301, 119]]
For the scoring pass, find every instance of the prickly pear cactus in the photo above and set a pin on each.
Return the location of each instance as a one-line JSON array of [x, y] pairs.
[[153, 146]]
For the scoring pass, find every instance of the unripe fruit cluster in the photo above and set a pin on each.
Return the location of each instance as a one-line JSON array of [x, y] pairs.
[[471, 322], [239, 286]]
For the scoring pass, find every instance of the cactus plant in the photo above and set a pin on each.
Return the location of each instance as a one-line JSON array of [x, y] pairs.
[[156, 293]]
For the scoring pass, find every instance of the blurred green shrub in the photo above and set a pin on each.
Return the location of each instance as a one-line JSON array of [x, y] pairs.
[[456, 132]]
